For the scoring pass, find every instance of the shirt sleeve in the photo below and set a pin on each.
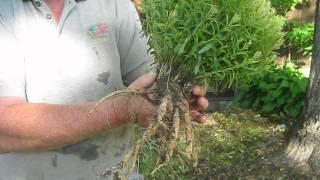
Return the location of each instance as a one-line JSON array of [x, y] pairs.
[[12, 73], [132, 43]]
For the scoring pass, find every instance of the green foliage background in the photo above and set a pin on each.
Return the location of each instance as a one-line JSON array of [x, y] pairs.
[[283, 6], [280, 91], [301, 37], [214, 42]]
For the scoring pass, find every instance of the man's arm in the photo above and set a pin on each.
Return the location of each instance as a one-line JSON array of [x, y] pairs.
[[26, 126]]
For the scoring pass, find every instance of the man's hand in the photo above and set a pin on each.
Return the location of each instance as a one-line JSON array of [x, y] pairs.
[[143, 108], [198, 104], [146, 109]]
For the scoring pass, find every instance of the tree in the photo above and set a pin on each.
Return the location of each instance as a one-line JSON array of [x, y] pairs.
[[303, 150]]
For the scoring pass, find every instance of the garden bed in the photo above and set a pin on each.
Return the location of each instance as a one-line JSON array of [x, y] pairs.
[[235, 143]]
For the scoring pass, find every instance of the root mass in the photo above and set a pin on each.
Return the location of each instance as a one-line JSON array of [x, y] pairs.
[[171, 124]]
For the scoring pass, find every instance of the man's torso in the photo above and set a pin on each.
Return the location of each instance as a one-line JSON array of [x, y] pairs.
[[74, 61]]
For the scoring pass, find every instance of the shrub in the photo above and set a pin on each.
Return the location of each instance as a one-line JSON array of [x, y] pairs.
[[282, 90], [301, 37], [283, 6], [218, 43]]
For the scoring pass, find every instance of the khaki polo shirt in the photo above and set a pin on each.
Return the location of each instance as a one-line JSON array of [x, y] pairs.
[[96, 48]]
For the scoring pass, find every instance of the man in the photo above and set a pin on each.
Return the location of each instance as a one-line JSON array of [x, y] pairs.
[[58, 58]]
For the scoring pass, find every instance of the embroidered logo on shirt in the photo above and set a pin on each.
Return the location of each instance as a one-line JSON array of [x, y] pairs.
[[99, 32]]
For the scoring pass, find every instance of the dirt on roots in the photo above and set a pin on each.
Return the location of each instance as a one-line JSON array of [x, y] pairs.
[[171, 123]]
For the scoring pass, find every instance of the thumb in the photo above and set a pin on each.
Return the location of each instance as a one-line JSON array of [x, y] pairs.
[[144, 82]]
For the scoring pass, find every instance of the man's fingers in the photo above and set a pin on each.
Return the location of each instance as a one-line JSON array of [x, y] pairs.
[[199, 104], [202, 103], [198, 117], [202, 119], [199, 91], [144, 82]]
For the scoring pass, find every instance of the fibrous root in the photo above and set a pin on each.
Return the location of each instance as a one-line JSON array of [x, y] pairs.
[[172, 123]]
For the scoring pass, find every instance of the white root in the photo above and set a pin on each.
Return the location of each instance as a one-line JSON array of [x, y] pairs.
[[171, 119], [174, 134], [116, 94]]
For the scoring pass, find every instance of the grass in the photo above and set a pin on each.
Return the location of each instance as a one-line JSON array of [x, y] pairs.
[[237, 144]]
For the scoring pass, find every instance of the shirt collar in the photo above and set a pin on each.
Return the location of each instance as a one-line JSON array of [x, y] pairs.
[[76, 1]]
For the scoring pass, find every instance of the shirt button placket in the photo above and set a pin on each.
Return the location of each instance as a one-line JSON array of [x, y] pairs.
[[49, 16], [38, 4], [43, 8]]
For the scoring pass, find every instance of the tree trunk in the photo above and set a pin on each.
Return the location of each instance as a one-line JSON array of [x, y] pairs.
[[304, 150]]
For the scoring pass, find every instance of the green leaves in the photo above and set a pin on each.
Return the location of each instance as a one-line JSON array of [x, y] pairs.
[[283, 6], [301, 37], [220, 42], [205, 48], [282, 90]]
